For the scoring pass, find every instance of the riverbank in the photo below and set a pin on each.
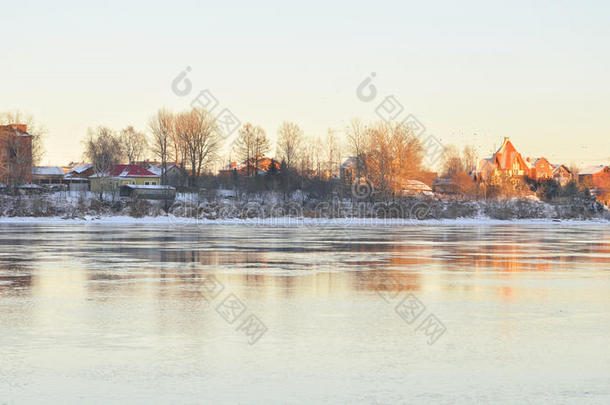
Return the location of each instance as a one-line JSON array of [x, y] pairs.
[[297, 222], [269, 209]]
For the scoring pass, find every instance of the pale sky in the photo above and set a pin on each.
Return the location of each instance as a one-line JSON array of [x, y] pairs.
[[471, 71]]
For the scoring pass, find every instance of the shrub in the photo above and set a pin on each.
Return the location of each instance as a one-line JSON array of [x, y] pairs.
[[139, 208]]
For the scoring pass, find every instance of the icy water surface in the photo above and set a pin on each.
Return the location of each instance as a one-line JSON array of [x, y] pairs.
[[239, 314]]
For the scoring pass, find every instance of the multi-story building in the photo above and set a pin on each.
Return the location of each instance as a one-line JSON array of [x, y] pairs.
[[15, 154], [506, 161]]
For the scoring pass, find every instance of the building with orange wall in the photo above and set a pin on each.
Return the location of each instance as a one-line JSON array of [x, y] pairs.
[[562, 174], [506, 161], [540, 169], [597, 178], [262, 165]]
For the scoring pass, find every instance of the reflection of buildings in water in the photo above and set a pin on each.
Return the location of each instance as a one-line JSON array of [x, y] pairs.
[[420, 259], [249, 265], [209, 257], [18, 260], [172, 267]]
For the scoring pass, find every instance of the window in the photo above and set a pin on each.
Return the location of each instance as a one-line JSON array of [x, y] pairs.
[[154, 183], [146, 183]]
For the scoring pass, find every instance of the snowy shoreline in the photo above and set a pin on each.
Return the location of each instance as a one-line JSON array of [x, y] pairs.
[[312, 213], [310, 223]]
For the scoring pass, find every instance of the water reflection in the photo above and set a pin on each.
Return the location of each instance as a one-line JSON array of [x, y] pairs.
[[285, 260], [116, 310]]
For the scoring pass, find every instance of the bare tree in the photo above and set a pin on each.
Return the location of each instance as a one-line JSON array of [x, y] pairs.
[[251, 145], [103, 149], [452, 163], [290, 138], [469, 157], [134, 143], [317, 152], [575, 170], [393, 154], [261, 146], [35, 129], [332, 151], [357, 139], [177, 149], [198, 132], [310, 156], [161, 127]]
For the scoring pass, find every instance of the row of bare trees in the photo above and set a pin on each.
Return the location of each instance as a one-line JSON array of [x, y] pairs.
[[296, 152], [189, 139], [454, 163], [386, 154], [321, 155], [105, 147]]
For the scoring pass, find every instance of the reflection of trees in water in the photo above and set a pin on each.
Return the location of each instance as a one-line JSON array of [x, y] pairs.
[[302, 262], [508, 249], [419, 252], [15, 277]]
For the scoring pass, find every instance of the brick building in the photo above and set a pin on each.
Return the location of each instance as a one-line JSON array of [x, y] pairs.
[[506, 161], [15, 154], [540, 169], [597, 179]]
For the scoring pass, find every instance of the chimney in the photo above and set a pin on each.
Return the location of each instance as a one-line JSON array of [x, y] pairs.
[[20, 127]]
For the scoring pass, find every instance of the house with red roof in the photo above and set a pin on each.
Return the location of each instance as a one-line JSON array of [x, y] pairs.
[[540, 169], [562, 174], [263, 165], [509, 162], [121, 175], [506, 161]]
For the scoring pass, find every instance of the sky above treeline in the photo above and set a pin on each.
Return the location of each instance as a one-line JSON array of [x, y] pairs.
[[471, 72]]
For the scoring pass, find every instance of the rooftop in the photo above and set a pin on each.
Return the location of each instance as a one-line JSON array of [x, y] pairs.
[[47, 171], [128, 171], [14, 129], [592, 169]]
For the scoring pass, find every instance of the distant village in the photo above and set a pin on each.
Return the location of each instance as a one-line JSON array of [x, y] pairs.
[[393, 174]]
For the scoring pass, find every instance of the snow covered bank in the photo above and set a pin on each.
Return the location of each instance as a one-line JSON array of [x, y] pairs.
[[302, 212], [311, 223]]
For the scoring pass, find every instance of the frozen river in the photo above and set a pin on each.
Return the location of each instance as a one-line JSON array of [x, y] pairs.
[[240, 314]]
